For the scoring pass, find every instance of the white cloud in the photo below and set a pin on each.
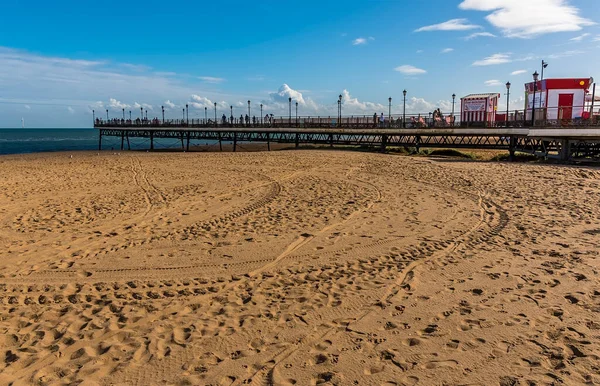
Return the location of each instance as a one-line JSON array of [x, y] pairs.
[[359, 41], [526, 19], [493, 60], [492, 83], [169, 104], [285, 92], [447, 50], [450, 25], [580, 37], [200, 102], [566, 54], [518, 72], [145, 106], [27, 107], [211, 79], [117, 105], [597, 38], [71, 110], [409, 70], [480, 35]]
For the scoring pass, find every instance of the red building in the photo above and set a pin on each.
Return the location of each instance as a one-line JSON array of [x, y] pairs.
[[557, 98]]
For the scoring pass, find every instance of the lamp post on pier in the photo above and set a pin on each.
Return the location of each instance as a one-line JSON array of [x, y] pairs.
[[215, 114], [182, 115], [340, 104], [146, 114], [404, 110], [535, 80], [107, 115], [130, 115], [290, 117], [507, 100], [296, 114], [390, 112], [453, 102], [248, 110], [261, 116], [123, 114], [93, 116], [187, 114], [205, 115], [163, 113], [231, 112]]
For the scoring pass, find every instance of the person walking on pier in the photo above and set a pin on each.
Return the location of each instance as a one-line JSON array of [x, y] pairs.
[[382, 121], [374, 119], [247, 120], [224, 120]]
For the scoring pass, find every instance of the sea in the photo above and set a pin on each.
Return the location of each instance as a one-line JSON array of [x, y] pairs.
[[21, 141]]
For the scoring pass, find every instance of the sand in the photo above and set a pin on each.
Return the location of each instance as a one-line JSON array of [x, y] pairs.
[[297, 268]]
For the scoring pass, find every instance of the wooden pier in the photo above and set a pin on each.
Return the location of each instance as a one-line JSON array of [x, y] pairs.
[[552, 142]]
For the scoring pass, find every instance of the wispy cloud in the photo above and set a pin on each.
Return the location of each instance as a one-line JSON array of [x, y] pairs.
[[447, 50], [362, 41], [526, 19], [407, 69], [211, 79], [479, 35], [450, 25], [580, 37], [518, 72], [493, 60], [70, 110], [566, 54], [492, 83], [169, 104]]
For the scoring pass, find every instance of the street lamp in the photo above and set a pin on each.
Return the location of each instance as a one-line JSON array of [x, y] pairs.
[[123, 114], [507, 100], [290, 119], [93, 116], [544, 65], [261, 116], [146, 114], [215, 114], [340, 108], [296, 114], [390, 112], [107, 114], [163, 113], [248, 111], [141, 113], [187, 114], [205, 115], [231, 113], [182, 115], [453, 101], [130, 115], [535, 80], [404, 110]]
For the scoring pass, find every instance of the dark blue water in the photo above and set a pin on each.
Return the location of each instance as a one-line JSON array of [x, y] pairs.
[[19, 141]]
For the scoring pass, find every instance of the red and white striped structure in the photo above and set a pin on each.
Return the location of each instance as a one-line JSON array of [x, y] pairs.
[[479, 108], [558, 98]]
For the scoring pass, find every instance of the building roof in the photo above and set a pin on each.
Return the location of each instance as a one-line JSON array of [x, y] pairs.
[[481, 96]]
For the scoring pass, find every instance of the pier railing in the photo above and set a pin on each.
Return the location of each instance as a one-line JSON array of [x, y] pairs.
[[544, 117]]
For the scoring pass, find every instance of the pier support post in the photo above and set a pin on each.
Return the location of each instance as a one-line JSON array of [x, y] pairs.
[[128, 144], [418, 143], [182, 145], [151, 140], [330, 140], [268, 142], [99, 139], [122, 139], [234, 142], [220, 142], [297, 140], [384, 139], [565, 150], [511, 148], [187, 145]]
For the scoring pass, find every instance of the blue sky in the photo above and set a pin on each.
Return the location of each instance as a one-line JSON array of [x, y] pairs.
[[59, 60]]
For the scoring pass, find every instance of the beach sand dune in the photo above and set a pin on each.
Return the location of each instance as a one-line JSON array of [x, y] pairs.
[[297, 268]]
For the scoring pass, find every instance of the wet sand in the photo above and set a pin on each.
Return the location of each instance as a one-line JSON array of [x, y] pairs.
[[297, 267]]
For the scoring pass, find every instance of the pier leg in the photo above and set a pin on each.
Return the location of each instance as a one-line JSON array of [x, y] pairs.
[[100, 140], [187, 145], [122, 139], [384, 139], [151, 140], [565, 150], [182, 145], [297, 140], [220, 143], [268, 142], [234, 141], [330, 140], [128, 144], [511, 149], [418, 143]]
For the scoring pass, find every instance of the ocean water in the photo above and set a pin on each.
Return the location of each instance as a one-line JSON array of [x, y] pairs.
[[19, 141]]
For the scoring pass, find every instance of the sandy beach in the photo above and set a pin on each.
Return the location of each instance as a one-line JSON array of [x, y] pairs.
[[297, 268]]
